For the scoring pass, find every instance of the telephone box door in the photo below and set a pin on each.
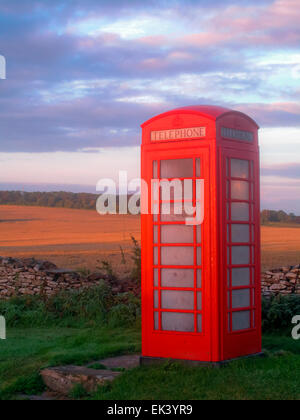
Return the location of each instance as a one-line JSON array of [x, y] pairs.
[[176, 263]]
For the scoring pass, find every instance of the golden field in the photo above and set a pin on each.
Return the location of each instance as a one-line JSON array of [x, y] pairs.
[[82, 238]]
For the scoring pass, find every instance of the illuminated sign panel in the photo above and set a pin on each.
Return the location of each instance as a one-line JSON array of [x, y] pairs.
[[233, 134], [179, 134]]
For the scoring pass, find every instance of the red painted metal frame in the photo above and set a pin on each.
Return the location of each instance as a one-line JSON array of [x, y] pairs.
[[216, 342]]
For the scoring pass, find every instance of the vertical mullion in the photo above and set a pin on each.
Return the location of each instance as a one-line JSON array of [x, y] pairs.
[[195, 250], [252, 249], [159, 248], [229, 248]]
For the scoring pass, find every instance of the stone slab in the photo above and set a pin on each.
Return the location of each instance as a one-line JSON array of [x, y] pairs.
[[63, 379]]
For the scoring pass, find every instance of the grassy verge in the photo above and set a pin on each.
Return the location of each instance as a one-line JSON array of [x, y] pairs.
[[85, 326], [26, 351]]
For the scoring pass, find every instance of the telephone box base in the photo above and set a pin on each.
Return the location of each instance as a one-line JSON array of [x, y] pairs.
[[156, 361]]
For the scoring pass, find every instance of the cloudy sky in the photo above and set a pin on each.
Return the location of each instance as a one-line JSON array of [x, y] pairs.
[[82, 75]]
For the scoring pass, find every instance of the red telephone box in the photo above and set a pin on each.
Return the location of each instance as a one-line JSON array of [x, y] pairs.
[[201, 295]]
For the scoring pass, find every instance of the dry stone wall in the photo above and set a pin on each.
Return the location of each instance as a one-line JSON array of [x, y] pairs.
[[33, 277], [283, 281]]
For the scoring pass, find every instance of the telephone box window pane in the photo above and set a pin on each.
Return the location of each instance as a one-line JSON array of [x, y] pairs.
[[199, 323], [156, 299], [239, 168], [240, 233], [240, 277], [240, 298], [172, 321], [175, 299], [240, 255], [155, 172], [175, 212], [199, 255], [177, 234], [155, 258], [155, 234], [176, 168], [199, 234], [177, 277], [156, 321], [177, 255], [199, 301], [176, 190], [155, 277], [228, 190], [241, 320], [240, 190], [240, 212], [199, 279], [198, 168]]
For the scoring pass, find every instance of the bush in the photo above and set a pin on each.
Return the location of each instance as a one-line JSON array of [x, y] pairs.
[[86, 307], [278, 311]]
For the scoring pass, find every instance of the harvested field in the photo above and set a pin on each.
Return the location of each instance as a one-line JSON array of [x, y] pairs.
[[82, 238]]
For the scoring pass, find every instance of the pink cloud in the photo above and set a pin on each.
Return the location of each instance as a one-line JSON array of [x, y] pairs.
[[155, 41], [256, 25]]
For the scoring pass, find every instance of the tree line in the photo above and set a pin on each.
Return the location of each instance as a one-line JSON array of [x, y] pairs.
[[87, 201], [273, 216]]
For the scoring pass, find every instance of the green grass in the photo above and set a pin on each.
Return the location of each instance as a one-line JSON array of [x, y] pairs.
[[27, 351]]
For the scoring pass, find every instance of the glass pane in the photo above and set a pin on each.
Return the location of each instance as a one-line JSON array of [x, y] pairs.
[[177, 168], [239, 190], [175, 212], [240, 212], [155, 166], [156, 321], [198, 168], [155, 277], [199, 234], [155, 234], [174, 299], [240, 298], [199, 279], [239, 168], [228, 190], [172, 321], [155, 258], [177, 255], [240, 277], [173, 234], [199, 301], [175, 190], [241, 320], [177, 278], [240, 233], [199, 255], [199, 323], [156, 299], [240, 255]]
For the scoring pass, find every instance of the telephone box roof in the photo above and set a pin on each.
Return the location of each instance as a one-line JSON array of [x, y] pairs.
[[208, 111]]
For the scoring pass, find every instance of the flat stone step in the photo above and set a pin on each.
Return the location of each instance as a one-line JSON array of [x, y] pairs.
[[62, 380], [122, 362]]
